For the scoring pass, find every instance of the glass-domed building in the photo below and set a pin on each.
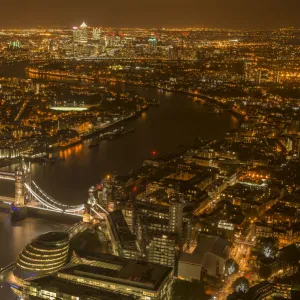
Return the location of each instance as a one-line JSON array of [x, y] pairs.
[[45, 254]]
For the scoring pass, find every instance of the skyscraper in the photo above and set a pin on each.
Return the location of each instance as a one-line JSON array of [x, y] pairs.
[[176, 216], [80, 34], [152, 44], [159, 230], [96, 35]]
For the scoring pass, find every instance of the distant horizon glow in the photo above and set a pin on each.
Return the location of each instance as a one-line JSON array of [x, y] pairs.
[[151, 14]]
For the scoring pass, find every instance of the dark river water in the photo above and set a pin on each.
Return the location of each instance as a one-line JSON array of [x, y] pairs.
[[177, 121]]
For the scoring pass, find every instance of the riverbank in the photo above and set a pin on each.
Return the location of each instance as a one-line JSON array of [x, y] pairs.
[[40, 73], [177, 121], [235, 112]]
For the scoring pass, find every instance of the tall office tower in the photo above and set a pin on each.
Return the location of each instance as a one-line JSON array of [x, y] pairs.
[[51, 47], [259, 77], [152, 44], [277, 77], [80, 34], [37, 89], [176, 216], [129, 213], [158, 230], [96, 34], [83, 33], [162, 249], [76, 34], [123, 242], [247, 71]]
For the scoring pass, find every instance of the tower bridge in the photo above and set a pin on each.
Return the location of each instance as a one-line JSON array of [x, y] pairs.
[[29, 195]]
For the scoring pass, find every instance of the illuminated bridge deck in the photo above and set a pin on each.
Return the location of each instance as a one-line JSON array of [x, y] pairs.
[[7, 200]]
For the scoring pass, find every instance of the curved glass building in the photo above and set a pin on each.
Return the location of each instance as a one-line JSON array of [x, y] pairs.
[[44, 255]]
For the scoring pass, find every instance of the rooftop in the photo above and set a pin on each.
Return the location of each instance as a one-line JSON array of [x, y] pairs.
[[51, 240], [206, 244], [121, 230], [52, 283], [133, 273]]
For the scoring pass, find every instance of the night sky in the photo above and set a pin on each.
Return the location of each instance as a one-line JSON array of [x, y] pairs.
[[151, 13]]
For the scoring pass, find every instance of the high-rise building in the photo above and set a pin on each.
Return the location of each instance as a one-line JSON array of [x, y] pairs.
[[80, 34], [277, 77], [176, 216], [247, 71], [259, 77], [161, 248], [37, 89], [152, 44], [122, 240], [160, 230], [96, 34], [76, 34]]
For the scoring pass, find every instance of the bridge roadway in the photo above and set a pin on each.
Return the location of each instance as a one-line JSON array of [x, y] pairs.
[[7, 176], [39, 200], [37, 205]]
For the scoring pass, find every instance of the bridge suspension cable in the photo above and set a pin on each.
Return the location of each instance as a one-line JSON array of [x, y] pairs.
[[50, 203], [97, 214], [39, 199], [53, 200], [104, 210]]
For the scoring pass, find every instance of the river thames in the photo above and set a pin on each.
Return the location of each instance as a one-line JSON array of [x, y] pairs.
[[176, 122]]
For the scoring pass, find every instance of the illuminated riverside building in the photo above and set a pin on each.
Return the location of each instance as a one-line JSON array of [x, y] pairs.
[[9, 152], [105, 277], [44, 255], [81, 47]]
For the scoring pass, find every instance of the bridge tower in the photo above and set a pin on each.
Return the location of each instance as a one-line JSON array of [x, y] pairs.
[[89, 204], [22, 176], [19, 188]]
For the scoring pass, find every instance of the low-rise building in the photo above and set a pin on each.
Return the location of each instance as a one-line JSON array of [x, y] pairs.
[[208, 258]]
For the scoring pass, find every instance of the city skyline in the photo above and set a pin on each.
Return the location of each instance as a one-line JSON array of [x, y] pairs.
[[215, 14], [156, 163]]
